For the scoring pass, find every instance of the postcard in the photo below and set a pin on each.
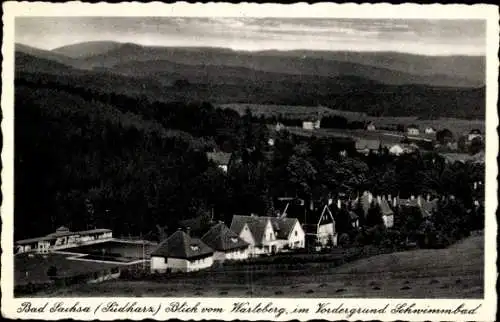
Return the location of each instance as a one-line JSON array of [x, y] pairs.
[[249, 161]]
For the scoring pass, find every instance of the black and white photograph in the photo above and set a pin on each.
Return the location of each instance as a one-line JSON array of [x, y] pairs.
[[250, 157]]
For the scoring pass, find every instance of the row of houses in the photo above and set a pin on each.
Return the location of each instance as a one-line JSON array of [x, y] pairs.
[[248, 236]]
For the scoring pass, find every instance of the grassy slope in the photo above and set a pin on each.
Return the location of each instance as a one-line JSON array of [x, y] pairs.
[[456, 272]]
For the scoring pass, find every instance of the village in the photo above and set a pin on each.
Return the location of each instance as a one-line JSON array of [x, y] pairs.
[[299, 227]]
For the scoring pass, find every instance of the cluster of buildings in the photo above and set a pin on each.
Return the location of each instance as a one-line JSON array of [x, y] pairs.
[[248, 236], [252, 236]]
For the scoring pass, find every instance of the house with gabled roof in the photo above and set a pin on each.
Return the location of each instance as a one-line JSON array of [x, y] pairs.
[[258, 232], [289, 232], [227, 245], [386, 211], [267, 235], [320, 228], [181, 253]]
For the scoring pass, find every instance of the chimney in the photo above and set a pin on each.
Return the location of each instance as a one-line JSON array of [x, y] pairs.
[[419, 200], [379, 200], [394, 202], [428, 197], [338, 204], [188, 231], [330, 201], [412, 197], [389, 197]]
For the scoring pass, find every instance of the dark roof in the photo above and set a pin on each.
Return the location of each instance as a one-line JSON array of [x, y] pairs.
[[94, 231], [385, 208], [221, 238], [363, 144], [181, 245], [220, 158], [257, 225], [283, 226], [33, 240], [429, 207]]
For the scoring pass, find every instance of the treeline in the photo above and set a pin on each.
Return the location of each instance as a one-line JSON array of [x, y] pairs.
[[342, 94]]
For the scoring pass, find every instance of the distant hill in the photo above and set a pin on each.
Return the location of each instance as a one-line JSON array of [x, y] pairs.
[[29, 63], [224, 76], [469, 67], [44, 54], [87, 49]]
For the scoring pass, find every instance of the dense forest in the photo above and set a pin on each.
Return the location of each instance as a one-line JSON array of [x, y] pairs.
[[86, 158]]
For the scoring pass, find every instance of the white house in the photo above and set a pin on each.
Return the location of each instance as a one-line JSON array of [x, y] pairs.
[[370, 127], [181, 253], [227, 245], [387, 213], [308, 125], [413, 130], [396, 150], [430, 130], [289, 233], [474, 134], [256, 231], [267, 235], [325, 228]]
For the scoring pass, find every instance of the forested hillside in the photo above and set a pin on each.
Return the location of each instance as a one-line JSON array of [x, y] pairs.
[[86, 158]]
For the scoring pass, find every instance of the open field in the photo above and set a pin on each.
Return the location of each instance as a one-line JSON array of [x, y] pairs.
[[455, 272], [387, 138]]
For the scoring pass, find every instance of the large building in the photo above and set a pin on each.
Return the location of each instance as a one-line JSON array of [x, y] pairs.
[[181, 253], [227, 245], [60, 239]]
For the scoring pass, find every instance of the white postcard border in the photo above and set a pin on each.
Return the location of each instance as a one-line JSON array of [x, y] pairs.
[[486, 308]]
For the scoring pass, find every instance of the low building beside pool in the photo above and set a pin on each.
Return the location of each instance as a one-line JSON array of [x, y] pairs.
[[227, 245], [60, 239], [181, 253]]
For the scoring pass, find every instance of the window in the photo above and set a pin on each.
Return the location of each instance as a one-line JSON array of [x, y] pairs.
[[234, 240], [270, 236], [296, 233], [195, 248]]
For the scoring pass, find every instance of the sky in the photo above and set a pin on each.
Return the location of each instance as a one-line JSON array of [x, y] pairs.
[[424, 37]]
